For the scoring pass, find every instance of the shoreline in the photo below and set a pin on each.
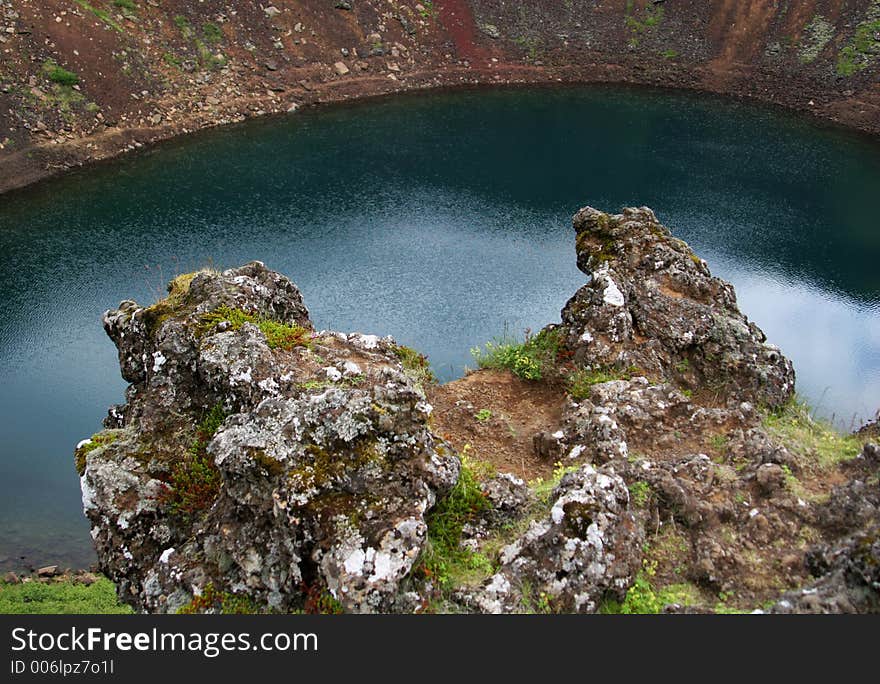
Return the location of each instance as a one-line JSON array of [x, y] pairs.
[[33, 165]]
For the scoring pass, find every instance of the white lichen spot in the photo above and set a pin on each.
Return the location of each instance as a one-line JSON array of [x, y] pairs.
[[354, 564], [158, 361], [332, 373], [576, 451], [166, 554], [424, 407], [368, 341], [350, 369]]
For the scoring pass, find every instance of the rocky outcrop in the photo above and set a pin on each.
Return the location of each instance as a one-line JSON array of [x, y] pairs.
[[311, 474], [847, 570], [261, 465], [587, 548], [653, 308]]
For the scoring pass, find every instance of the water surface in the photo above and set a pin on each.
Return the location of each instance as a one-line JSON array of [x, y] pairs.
[[440, 220]]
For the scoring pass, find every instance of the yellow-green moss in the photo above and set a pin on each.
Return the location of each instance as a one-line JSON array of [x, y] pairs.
[[415, 365], [223, 602], [278, 335], [814, 438], [96, 441]]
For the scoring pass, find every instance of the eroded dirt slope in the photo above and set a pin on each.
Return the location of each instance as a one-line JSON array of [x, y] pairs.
[[82, 80]]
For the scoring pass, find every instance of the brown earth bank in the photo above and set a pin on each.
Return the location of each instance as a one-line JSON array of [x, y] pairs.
[[82, 81]]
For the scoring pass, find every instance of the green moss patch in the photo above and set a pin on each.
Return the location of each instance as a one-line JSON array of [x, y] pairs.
[[278, 335], [96, 441], [223, 602]]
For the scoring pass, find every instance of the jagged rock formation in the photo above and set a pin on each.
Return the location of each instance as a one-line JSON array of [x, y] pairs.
[[260, 464], [652, 305], [320, 476]]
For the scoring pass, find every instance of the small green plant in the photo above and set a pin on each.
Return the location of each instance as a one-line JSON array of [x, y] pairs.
[[182, 23], [58, 74], [194, 482], [669, 54], [544, 488], [483, 415], [127, 5], [640, 493], [528, 360], [644, 599], [428, 11], [719, 443], [319, 601], [278, 335], [864, 47]]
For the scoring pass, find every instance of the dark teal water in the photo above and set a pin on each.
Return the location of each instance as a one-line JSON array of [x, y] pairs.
[[440, 220]]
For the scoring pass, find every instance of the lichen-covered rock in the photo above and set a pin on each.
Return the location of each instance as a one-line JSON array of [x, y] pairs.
[[257, 458], [652, 306], [849, 579], [587, 548]]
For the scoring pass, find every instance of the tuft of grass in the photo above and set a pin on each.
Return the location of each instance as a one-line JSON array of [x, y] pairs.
[[483, 415], [529, 360], [212, 32], [194, 482], [813, 438], [67, 597], [278, 335], [544, 488], [579, 383], [415, 365], [58, 74], [444, 560]]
